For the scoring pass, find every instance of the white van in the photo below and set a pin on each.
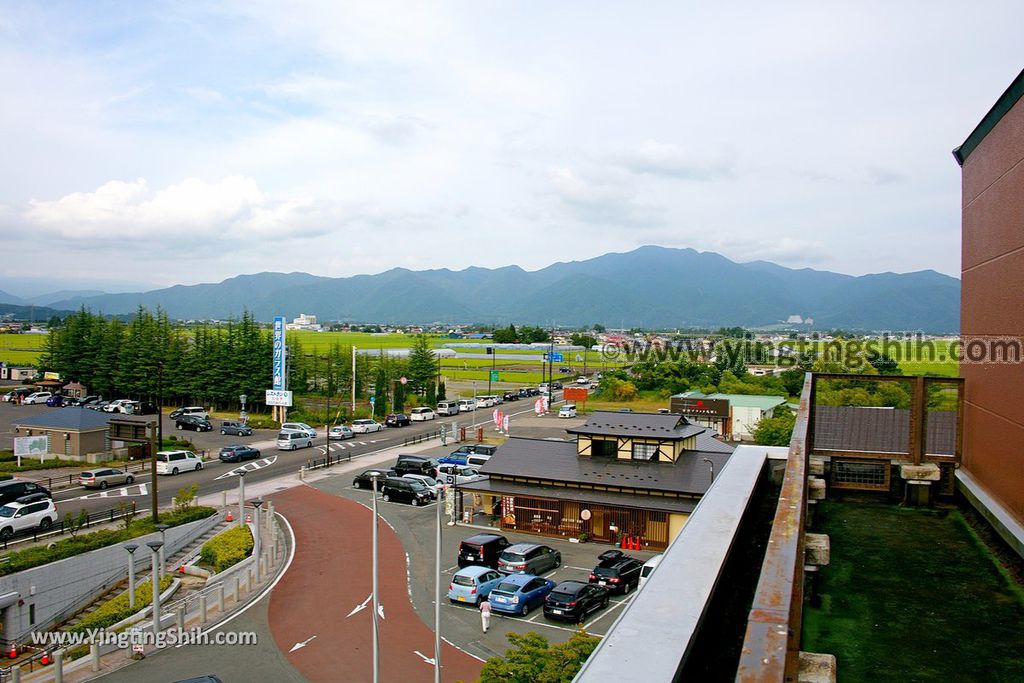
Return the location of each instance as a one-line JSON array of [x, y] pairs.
[[447, 408], [477, 460], [422, 414], [173, 462], [467, 405], [298, 427], [290, 441], [485, 401], [648, 569]]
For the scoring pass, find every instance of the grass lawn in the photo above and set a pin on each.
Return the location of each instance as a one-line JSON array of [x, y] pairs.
[[18, 357], [913, 595], [515, 376], [22, 341], [323, 341]]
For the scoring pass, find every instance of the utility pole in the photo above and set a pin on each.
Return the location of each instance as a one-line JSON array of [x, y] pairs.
[[353, 416]]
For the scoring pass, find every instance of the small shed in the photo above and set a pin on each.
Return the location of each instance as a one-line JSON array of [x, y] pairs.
[[74, 433]]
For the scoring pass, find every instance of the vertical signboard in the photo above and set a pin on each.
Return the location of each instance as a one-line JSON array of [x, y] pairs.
[[278, 353]]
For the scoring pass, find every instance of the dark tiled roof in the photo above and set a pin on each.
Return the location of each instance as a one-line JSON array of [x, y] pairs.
[[653, 425], [78, 419], [880, 430], [641, 502], [558, 461]]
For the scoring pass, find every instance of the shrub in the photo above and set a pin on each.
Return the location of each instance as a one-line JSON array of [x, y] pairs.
[[116, 609], [227, 548]]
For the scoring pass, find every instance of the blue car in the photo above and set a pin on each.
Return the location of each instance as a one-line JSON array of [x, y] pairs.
[[471, 584], [520, 593], [456, 458]]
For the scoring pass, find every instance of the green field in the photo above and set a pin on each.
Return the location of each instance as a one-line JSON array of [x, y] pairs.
[[21, 349], [927, 357], [322, 341]]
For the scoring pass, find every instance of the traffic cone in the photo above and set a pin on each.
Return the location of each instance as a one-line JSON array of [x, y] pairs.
[[230, 517], [13, 654], [248, 519], [623, 543], [636, 543], [181, 569]]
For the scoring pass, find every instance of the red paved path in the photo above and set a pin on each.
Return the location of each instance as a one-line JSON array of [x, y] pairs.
[[330, 575]]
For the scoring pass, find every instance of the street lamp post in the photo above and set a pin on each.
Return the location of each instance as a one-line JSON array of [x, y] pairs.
[[156, 547], [473, 412], [711, 465], [376, 599], [437, 591], [241, 498], [162, 528], [256, 549], [131, 548]]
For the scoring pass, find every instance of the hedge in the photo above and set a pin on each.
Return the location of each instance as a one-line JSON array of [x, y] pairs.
[[113, 611], [35, 556], [227, 548]]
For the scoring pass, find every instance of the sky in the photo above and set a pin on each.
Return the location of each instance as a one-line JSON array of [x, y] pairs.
[[152, 144]]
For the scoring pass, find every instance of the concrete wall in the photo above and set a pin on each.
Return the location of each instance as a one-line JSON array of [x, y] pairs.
[[744, 419], [60, 588], [992, 303], [676, 522]]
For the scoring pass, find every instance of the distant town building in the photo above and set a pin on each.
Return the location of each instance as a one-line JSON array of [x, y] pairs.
[[304, 322]]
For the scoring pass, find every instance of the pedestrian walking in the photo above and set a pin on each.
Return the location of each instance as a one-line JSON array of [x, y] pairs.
[[485, 613]]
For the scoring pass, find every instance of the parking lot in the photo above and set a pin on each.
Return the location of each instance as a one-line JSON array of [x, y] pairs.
[[460, 624]]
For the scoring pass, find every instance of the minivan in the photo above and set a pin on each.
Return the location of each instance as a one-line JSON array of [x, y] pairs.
[[648, 569], [467, 405], [477, 460], [421, 414], [14, 489], [416, 464], [447, 408], [290, 441], [298, 427], [189, 410], [528, 558], [406, 491], [173, 462], [482, 550]]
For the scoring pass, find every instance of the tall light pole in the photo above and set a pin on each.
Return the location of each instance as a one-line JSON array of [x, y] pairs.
[[256, 536], [156, 546], [162, 528], [711, 465], [474, 405], [376, 597], [241, 498], [353, 416], [437, 590], [131, 548]]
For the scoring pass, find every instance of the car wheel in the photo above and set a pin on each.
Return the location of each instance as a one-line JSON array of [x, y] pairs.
[[46, 523], [103, 484], [626, 588], [222, 432], [386, 498], [174, 472], [129, 480], [558, 562], [6, 533], [199, 466], [415, 502], [356, 484], [179, 427]]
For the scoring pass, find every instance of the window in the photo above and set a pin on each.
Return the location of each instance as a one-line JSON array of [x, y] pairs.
[[645, 451]]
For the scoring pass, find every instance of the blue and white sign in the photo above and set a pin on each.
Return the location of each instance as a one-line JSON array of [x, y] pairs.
[[278, 354], [553, 357], [279, 397]]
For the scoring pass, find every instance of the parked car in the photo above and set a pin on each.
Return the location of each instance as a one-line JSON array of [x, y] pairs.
[[366, 426], [20, 392], [433, 485], [574, 600], [299, 427], [364, 480], [144, 408], [29, 512], [529, 558], [97, 405], [617, 571], [235, 428], [189, 410], [422, 414], [290, 441], [37, 397], [173, 462], [194, 422], [14, 489], [582, 380], [648, 569], [117, 406], [104, 477], [55, 401], [467, 405], [397, 420], [457, 474], [416, 464], [447, 408], [83, 401], [472, 584], [478, 448], [484, 401], [238, 453], [520, 593], [555, 386], [403, 490], [568, 410], [338, 432], [511, 396], [482, 550]]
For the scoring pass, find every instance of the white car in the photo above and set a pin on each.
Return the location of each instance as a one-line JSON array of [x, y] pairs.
[[568, 410], [38, 397], [467, 405], [298, 427], [582, 380], [366, 426], [485, 401], [434, 485], [340, 432], [422, 414], [457, 474], [648, 569], [174, 462], [117, 406], [28, 512]]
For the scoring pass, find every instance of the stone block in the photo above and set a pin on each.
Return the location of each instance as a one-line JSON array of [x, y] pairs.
[[816, 549], [817, 467], [816, 488], [816, 668], [924, 472]]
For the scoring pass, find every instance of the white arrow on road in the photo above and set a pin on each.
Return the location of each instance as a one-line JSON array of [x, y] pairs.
[[126, 491], [302, 644], [250, 467], [428, 660], [380, 611], [360, 607]]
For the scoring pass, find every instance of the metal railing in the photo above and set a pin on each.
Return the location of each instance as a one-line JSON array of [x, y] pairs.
[[420, 438], [327, 461], [61, 528]]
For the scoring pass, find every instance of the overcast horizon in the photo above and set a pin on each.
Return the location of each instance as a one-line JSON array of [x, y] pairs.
[[179, 143]]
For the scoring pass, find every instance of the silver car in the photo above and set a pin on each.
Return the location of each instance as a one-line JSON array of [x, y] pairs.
[[104, 477]]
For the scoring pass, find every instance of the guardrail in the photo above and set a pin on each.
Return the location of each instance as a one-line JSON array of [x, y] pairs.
[[59, 529], [419, 438], [327, 461], [771, 645]]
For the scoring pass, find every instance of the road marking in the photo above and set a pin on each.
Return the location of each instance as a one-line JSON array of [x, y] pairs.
[[426, 659], [362, 443], [118, 493], [360, 607], [301, 644], [249, 467]]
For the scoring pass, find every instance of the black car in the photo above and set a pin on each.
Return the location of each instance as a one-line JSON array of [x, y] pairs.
[[364, 480], [482, 550], [617, 571], [238, 453], [556, 385], [524, 393], [416, 464], [533, 391], [565, 370], [83, 401], [510, 396], [144, 408], [98, 405], [400, 490], [574, 600], [194, 422], [235, 428], [14, 489], [397, 420]]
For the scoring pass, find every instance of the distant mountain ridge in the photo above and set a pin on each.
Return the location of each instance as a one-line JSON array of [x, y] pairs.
[[648, 287]]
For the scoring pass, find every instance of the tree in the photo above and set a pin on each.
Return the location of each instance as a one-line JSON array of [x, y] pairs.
[[532, 659], [884, 364], [599, 328], [585, 340], [506, 335], [776, 430], [423, 365]]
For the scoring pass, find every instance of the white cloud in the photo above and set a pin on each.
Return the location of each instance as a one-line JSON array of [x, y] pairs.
[[661, 159]]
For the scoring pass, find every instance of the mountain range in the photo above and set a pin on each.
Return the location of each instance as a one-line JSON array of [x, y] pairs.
[[652, 287]]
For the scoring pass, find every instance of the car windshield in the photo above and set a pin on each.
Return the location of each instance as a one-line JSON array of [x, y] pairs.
[[161, 457], [606, 571], [506, 587], [88, 475], [464, 580], [417, 485], [513, 557], [562, 595], [7, 511]]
